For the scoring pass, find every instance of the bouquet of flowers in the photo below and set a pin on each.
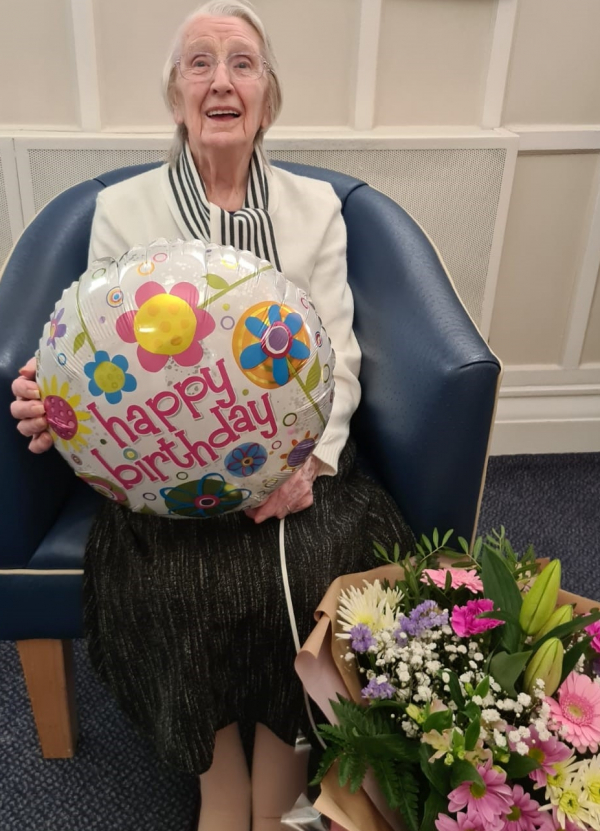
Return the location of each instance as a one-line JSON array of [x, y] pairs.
[[471, 694]]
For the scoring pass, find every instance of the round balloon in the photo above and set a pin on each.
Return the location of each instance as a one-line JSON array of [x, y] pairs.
[[185, 379]]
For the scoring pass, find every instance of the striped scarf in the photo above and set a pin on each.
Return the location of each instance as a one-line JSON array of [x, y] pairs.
[[248, 229]]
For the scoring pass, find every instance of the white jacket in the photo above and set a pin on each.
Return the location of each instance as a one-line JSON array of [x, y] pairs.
[[311, 241]]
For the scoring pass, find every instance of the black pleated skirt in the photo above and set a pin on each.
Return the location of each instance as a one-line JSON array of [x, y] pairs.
[[186, 620]]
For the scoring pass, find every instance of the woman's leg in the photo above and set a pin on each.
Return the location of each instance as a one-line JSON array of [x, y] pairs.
[[278, 779], [225, 789]]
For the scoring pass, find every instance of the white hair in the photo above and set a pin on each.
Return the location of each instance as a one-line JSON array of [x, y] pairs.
[[220, 8]]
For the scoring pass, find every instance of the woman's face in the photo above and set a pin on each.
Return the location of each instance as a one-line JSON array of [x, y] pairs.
[[198, 101]]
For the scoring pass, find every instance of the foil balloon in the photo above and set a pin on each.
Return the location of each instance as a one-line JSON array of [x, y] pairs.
[[186, 379]]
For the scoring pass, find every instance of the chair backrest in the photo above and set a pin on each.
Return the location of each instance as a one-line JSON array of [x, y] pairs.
[[394, 273]]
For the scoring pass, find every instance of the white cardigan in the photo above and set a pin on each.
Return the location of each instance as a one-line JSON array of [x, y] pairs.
[[311, 241]]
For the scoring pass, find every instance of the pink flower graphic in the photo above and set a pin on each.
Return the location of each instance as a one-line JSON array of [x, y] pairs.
[[486, 804], [57, 329], [460, 577], [465, 622], [576, 714], [166, 325]]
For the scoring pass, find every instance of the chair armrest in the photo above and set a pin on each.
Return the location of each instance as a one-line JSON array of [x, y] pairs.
[[51, 253], [429, 379]]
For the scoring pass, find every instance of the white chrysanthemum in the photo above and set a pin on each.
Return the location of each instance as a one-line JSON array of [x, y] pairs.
[[372, 606], [588, 776], [567, 795]]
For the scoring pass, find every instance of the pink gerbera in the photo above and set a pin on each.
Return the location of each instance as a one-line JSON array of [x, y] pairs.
[[577, 712], [459, 576], [166, 325], [524, 814], [546, 754], [461, 823], [465, 620], [485, 804]]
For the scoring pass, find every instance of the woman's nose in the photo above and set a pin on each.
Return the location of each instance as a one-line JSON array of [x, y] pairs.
[[221, 81]]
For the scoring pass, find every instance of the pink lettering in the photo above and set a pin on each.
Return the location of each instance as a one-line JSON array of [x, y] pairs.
[[269, 416], [111, 424], [127, 475], [173, 405]]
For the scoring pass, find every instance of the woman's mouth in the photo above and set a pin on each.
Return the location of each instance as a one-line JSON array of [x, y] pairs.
[[222, 114]]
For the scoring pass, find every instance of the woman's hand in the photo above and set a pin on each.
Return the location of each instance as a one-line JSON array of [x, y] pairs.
[[29, 409], [294, 495]]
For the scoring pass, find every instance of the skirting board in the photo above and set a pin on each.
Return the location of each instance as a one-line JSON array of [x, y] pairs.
[[560, 422]]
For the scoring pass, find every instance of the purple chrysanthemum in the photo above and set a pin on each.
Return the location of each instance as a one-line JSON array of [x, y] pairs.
[[378, 689], [362, 638], [423, 617]]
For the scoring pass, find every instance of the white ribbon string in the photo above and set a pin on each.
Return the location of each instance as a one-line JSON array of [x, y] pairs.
[[292, 617]]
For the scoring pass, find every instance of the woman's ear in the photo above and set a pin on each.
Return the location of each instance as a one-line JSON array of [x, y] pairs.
[[265, 122], [176, 109]]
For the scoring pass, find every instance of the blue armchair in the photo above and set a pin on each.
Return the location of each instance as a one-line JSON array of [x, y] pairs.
[[429, 391]]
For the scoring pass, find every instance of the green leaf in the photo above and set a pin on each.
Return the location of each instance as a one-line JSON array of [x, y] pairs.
[[519, 766], [463, 544], [79, 341], [327, 759], [314, 376], [436, 538], [568, 628], [216, 282], [499, 585], [409, 798], [436, 772], [483, 687], [447, 536], [572, 655], [506, 669], [455, 690], [472, 733], [463, 771], [435, 804], [438, 721]]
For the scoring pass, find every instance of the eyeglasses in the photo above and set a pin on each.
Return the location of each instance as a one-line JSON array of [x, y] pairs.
[[202, 66]]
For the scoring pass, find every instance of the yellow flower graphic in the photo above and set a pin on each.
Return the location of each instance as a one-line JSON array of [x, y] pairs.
[[64, 420]]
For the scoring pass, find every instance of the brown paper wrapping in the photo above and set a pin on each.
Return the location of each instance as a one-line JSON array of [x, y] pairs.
[[324, 673]]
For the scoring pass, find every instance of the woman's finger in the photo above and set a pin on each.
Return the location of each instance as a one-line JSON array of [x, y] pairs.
[[26, 409], [32, 426], [28, 371], [22, 388], [41, 443]]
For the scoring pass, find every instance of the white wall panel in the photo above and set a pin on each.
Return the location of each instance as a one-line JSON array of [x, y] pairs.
[[37, 66], [433, 61], [591, 346], [314, 41], [555, 68], [546, 232]]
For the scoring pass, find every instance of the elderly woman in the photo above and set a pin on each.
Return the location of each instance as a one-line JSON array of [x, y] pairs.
[[187, 622]]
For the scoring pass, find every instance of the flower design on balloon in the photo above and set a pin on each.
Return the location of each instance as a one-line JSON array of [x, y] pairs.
[[64, 419], [246, 459], [299, 451], [203, 498], [166, 325], [105, 488], [109, 376], [57, 329], [267, 345]]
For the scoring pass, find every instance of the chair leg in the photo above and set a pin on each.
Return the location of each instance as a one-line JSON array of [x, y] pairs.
[[49, 675]]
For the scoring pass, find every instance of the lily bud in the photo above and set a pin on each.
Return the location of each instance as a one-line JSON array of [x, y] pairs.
[[546, 664], [564, 614], [540, 601]]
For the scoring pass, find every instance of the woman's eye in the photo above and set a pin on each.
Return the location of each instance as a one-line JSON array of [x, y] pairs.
[[200, 62]]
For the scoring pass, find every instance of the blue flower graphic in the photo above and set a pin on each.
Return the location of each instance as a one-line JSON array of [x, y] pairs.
[[276, 343], [109, 377], [203, 498], [246, 459]]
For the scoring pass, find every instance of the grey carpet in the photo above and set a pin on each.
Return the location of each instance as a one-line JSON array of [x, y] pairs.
[[117, 783]]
